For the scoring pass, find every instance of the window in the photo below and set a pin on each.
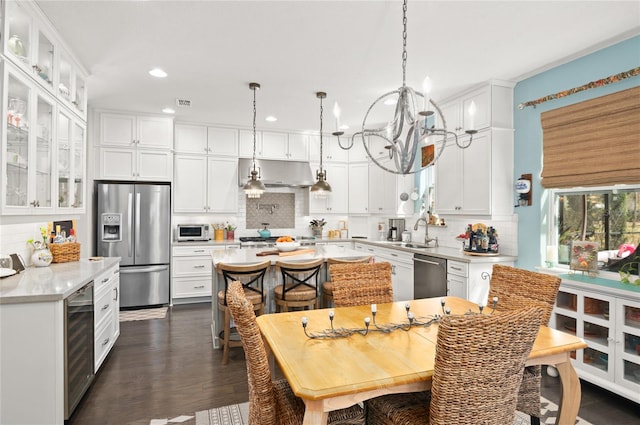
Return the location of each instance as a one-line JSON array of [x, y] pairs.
[[608, 216]]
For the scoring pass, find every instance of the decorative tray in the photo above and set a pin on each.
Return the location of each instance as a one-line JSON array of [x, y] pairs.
[[481, 254]]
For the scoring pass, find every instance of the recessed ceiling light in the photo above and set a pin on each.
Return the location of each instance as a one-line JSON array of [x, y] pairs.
[[271, 118], [344, 127], [169, 111], [157, 72], [390, 101]]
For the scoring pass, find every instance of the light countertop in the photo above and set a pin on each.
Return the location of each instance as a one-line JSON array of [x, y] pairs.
[[248, 255], [53, 283]]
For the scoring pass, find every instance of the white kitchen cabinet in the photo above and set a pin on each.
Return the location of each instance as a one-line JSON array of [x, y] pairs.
[[457, 279], [136, 131], [476, 180], [106, 296], [205, 184], [337, 175], [34, 46], [330, 149], [71, 158], [401, 268], [192, 271], [608, 320], [200, 139], [273, 145], [382, 189], [135, 164], [470, 280], [28, 150], [494, 108], [359, 188]]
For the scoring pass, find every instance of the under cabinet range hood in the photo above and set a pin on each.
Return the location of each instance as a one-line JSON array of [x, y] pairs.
[[276, 173]]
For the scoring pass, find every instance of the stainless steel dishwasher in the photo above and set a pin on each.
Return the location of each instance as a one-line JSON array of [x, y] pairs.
[[429, 276]]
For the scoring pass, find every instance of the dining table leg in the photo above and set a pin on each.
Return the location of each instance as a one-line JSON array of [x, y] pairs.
[[314, 413], [571, 393]]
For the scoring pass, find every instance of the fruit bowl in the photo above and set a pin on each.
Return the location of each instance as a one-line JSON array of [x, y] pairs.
[[287, 246]]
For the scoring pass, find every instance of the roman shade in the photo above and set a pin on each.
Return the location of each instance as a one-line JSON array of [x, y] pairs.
[[593, 143]]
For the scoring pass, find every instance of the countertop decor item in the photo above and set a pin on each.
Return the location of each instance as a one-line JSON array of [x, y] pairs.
[[584, 257]]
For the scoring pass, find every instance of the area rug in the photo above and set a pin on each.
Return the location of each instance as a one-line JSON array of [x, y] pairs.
[[238, 414], [143, 314]]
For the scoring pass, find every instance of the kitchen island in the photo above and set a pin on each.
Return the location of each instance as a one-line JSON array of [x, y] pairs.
[[34, 338]]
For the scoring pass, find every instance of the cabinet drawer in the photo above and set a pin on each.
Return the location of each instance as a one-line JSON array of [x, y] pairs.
[[104, 340], [185, 287], [103, 307], [190, 251], [103, 278], [192, 266], [457, 268]]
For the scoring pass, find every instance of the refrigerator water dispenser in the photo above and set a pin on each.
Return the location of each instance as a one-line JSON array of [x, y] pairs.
[[111, 228]]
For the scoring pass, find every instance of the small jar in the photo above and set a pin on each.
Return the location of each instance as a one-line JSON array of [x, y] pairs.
[[41, 257]]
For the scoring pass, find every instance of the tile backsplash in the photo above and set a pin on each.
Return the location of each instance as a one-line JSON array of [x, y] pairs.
[[277, 209]]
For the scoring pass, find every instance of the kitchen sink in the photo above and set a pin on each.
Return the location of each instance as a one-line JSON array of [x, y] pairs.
[[411, 245]]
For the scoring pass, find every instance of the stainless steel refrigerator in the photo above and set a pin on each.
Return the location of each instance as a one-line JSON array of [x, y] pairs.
[[134, 223]]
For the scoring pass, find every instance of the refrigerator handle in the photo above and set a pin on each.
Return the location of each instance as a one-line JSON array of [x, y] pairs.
[[137, 223], [130, 220], [147, 269]]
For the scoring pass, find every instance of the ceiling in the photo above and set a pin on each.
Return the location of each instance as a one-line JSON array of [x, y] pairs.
[[350, 49]]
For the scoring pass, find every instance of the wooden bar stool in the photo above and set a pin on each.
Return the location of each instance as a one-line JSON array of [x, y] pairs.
[[252, 278], [328, 285], [299, 287]]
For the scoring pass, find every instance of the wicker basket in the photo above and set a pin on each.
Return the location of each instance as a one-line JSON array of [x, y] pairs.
[[65, 252]]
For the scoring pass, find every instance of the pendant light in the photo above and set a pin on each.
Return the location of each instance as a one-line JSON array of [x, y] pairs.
[[321, 188], [254, 187]]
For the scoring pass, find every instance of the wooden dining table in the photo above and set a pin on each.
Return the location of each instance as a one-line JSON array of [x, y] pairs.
[[334, 373]]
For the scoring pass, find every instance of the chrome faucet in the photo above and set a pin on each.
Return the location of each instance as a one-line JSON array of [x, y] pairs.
[[427, 239]]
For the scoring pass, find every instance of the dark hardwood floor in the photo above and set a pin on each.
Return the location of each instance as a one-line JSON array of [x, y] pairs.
[[167, 367]]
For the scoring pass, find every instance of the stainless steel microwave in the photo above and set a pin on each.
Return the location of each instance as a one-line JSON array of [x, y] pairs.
[[192, 232]]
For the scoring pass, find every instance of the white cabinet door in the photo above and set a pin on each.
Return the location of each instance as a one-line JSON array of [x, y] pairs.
[[117, 129], [298, 147], [330, 149], [456, 286], [359, 188], [155, 132], [222, 141], [275, 145], [476, 176], [402, 278], [448, 181], [190, 184], [117, 164], [382, 190], [222, 193], [245, 141], [154, 165], [191, 138]]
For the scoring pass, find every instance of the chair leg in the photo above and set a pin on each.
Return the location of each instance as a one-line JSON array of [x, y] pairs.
[[535, 420], [227, 332]]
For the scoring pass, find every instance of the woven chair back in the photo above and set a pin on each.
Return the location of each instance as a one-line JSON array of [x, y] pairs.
[[296, 274], [479, 365], [518, 288], [361, 284], [262, 400], [250, 275]]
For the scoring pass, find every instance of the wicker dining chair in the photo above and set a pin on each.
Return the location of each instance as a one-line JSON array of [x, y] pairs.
[[516, 289], [299, 288], [272, 402], [361, 284], [328, 285], [252, 278], [478, 369]]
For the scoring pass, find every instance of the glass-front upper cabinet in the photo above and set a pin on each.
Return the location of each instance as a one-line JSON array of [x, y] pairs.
[[44, 64], [17, 158], [71, 158], [64, 84], [43, 153], [18, 31]]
